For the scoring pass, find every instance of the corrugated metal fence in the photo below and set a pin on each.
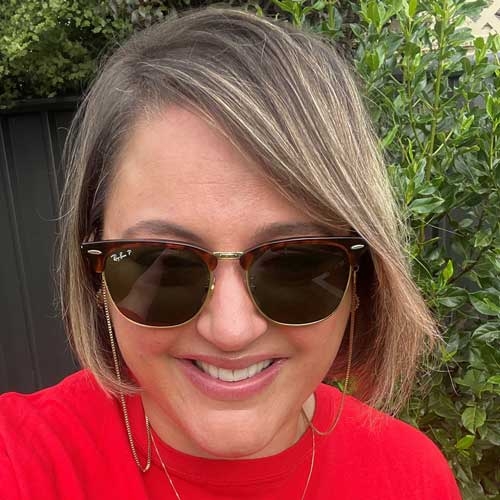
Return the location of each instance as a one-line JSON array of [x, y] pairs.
[[33, 349]]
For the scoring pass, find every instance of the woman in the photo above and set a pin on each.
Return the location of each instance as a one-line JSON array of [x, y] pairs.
[[229, 242]]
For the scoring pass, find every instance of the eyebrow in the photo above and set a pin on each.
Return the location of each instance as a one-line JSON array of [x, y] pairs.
[[283, 230], [160, 228], [276, 230]]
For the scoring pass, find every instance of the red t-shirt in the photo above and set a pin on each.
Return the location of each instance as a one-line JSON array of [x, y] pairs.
[[69, 442]]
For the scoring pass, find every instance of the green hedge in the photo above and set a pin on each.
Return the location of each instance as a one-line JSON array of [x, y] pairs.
[[437, 108], [431, 88]]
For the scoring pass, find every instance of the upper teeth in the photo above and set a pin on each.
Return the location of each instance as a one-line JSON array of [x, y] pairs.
[[233, 375]]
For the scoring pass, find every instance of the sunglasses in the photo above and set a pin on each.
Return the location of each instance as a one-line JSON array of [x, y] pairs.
[[158, 283]]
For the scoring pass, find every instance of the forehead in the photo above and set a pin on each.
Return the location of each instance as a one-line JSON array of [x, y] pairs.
[[179, 169]]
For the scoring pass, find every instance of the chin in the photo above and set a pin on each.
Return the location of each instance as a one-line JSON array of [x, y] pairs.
[[246, 441], [234, 450]]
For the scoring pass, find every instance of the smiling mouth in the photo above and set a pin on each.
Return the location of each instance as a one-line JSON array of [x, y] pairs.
[[233, 375]]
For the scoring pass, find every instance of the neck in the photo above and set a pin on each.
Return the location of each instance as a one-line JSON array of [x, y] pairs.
[[176, 436]]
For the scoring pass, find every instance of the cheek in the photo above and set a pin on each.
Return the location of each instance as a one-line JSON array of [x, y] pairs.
[[331, 331], [139, 345], [323, 340], [320, 343]]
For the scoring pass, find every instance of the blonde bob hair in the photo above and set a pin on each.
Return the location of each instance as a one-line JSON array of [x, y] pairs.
[[286, 98]]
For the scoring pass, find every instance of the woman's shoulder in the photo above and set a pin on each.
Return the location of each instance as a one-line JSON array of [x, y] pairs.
[[81, 380], [75, 391], [56, 439], [71, 401], [368, 427], [374, 448], [371, 425]]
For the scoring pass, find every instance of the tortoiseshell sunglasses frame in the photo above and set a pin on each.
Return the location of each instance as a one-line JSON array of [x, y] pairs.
[[96, 253]]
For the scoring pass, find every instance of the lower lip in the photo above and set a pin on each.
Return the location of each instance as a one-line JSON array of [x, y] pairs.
[[230, 391]]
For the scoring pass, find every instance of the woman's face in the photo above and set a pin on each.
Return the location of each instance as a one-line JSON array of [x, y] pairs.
[[178, 178]]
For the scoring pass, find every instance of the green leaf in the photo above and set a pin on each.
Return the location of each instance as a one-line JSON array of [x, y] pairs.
[[466, 222], [495, 379], [483, 239], [319, 5], [473, 417], [373, 12], [452, 297], [465, 443], [412, 7], [473, 379], [427, 190], [490, 433], [373, 60], [389, 137], [488, 332], [447, 272], [424, 206], [486, 302], [441, 404], [489, 106]]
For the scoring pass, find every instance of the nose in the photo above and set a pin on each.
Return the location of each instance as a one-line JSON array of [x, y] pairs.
[[230, 320]]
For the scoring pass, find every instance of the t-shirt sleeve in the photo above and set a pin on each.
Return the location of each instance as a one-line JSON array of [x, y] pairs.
[[432, 475], [9, 488], [442, 484], [29, 449]]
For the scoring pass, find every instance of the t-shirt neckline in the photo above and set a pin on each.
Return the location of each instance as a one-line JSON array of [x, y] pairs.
[[198, 469]]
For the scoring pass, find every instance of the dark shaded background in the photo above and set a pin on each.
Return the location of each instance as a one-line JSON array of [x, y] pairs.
[[33, 349]]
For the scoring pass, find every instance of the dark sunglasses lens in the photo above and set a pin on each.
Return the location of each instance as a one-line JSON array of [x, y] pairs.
[[299, 284], [157, 286]]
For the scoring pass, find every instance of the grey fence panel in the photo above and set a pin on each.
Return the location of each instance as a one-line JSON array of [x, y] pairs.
[[16, 367], [59, 124], [33, 350]]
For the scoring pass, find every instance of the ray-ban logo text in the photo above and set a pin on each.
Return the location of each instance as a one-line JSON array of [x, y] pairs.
[[117, 257]]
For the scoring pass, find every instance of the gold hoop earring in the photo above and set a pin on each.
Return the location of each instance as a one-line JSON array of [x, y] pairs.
[[122, 397], [354, 308]]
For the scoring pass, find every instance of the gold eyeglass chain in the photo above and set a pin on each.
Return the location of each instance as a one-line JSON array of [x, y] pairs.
[[352, 321], [122, 397]]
